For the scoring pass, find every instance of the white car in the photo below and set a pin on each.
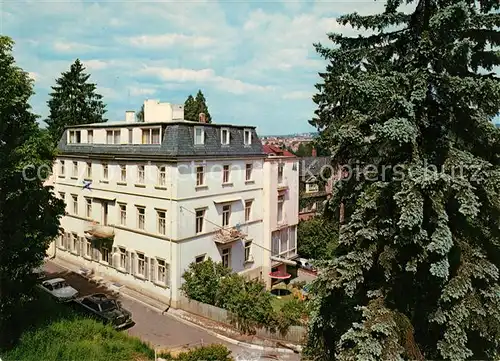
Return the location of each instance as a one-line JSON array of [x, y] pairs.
[[59, 289]]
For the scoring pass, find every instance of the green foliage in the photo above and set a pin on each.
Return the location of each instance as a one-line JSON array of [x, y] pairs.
[[55, 332], [29, 212], [202, 280], [194, 106], [248, 302], [212, 352], [294, 312], [414, 100], [73, 101], [140, 114], [317, 238]]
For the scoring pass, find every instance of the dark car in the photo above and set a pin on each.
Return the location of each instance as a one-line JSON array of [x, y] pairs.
[[107, 309]]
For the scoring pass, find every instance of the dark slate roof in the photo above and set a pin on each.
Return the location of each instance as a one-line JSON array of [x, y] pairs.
[[178, 141], [313, 165]]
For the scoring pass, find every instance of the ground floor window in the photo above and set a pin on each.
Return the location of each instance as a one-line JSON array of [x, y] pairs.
[[88, 249], [141, 264], [123, 258], [105, 254]]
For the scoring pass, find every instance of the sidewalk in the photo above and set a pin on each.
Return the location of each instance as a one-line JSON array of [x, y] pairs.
[[222, 332]]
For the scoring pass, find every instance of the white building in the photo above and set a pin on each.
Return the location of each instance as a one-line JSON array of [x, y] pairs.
[[145, 199]]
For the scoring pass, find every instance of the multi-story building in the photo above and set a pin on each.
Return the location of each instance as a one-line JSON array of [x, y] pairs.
[[280, 212], [315, 184], [145, 199]]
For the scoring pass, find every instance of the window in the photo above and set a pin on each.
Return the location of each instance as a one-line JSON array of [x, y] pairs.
[[200, 176], [199, 136], [162, 176], [200, 215], [141, 264], [105, 173], [281, 200], [75, 137], [151, 136], [248, 210], [74, 237], [162, 271], [248, 172], [105, 254], [141, 217], [248, 248], [140, 174], [312, 187], [199, 259], [88, 209], [123, 214], [88, 249], [130, 136], [75, 203], [248, 137], [90, 136], [89, 170], [226, 214], [123, 173], [123, 258], [75, 169], [62, 167], [225, 174], [224, 135], [280, 173], [226, 257], [162, 221], [113, 136]]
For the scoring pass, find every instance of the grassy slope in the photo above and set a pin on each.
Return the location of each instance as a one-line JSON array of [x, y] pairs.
[[56, 332]]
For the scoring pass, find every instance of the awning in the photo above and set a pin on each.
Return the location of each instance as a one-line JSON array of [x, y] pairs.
[[280, 275], [105, 198], [228, 200]]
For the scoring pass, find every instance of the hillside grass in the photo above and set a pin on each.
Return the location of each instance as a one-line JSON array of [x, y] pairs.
[[57, 332]]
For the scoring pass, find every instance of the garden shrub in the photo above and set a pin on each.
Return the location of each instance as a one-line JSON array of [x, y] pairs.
[[213, 352]]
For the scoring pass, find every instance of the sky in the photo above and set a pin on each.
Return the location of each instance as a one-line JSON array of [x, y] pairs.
[[254, 60]]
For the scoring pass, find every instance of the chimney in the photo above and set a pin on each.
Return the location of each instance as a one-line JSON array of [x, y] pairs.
[[203, 118], [313, 152], [130, 116]]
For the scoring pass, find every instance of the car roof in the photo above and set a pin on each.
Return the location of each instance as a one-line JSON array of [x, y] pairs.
[[55, 280], [99, 297]]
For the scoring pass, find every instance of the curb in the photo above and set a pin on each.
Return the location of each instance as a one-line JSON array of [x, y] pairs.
[[193, 324]]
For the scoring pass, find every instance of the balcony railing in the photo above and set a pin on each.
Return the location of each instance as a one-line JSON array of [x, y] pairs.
[[228, 235], [98, 231]]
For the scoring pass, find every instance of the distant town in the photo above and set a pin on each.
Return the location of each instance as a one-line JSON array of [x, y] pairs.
[[289, 142]]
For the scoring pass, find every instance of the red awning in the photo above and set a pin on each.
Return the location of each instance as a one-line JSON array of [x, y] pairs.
[[280, 275]]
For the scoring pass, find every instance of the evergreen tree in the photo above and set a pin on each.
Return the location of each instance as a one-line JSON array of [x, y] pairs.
[[29, 211], [194, 106], [74, 101], [419, 251], [140, 114]]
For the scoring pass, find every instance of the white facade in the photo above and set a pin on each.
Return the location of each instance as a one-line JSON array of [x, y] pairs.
[[166, 213]]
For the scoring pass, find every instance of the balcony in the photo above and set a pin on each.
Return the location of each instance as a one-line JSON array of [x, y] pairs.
[[229, 235]]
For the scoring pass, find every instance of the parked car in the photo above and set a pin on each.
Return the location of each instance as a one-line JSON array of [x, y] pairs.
[[59, 289], [305, 264], [39, 272], [106, 309]]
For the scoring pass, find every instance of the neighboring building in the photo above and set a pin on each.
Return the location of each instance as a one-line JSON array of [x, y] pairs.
[[144, 200], [315, 179], [280, 212]]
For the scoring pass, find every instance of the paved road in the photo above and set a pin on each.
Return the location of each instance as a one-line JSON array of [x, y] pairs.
[[163, 331]]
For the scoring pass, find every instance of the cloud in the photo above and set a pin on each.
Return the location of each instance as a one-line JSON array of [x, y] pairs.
[[165, 40], [95, 64], [141, 91], [298, 94], [34, 76], [69, 47]]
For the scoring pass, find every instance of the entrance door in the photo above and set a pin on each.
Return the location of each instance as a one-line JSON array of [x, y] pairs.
[[105, 213]]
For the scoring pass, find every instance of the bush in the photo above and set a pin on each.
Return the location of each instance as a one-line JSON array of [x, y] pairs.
[[292, 313], [206, 353]]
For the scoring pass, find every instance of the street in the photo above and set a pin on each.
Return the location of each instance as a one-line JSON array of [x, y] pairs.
[[162, 331]]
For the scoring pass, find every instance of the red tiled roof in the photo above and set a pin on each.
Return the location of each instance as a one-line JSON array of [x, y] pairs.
[[272, 149]]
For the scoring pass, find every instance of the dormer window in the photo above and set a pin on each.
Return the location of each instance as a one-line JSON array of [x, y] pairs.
[[75, 137], [247, 136], [151, 136], [113, 136], [199, 136], [224, 135]]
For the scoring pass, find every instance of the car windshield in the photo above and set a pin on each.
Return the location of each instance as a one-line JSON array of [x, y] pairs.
[[60, 285], [108, 305]]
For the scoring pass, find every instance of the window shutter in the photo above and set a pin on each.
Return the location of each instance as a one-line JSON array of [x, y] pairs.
[[132, 263], [82, 246], [115, 258], [152, 273], [167, 274], [77, 244], [146, 267], [127, 262], [96, 254]]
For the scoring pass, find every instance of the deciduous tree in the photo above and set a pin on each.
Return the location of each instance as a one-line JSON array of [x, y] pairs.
[[420, 249], [29, 211], [74, 100]]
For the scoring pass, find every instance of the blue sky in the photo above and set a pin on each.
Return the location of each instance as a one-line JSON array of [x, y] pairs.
[[254, 60]]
